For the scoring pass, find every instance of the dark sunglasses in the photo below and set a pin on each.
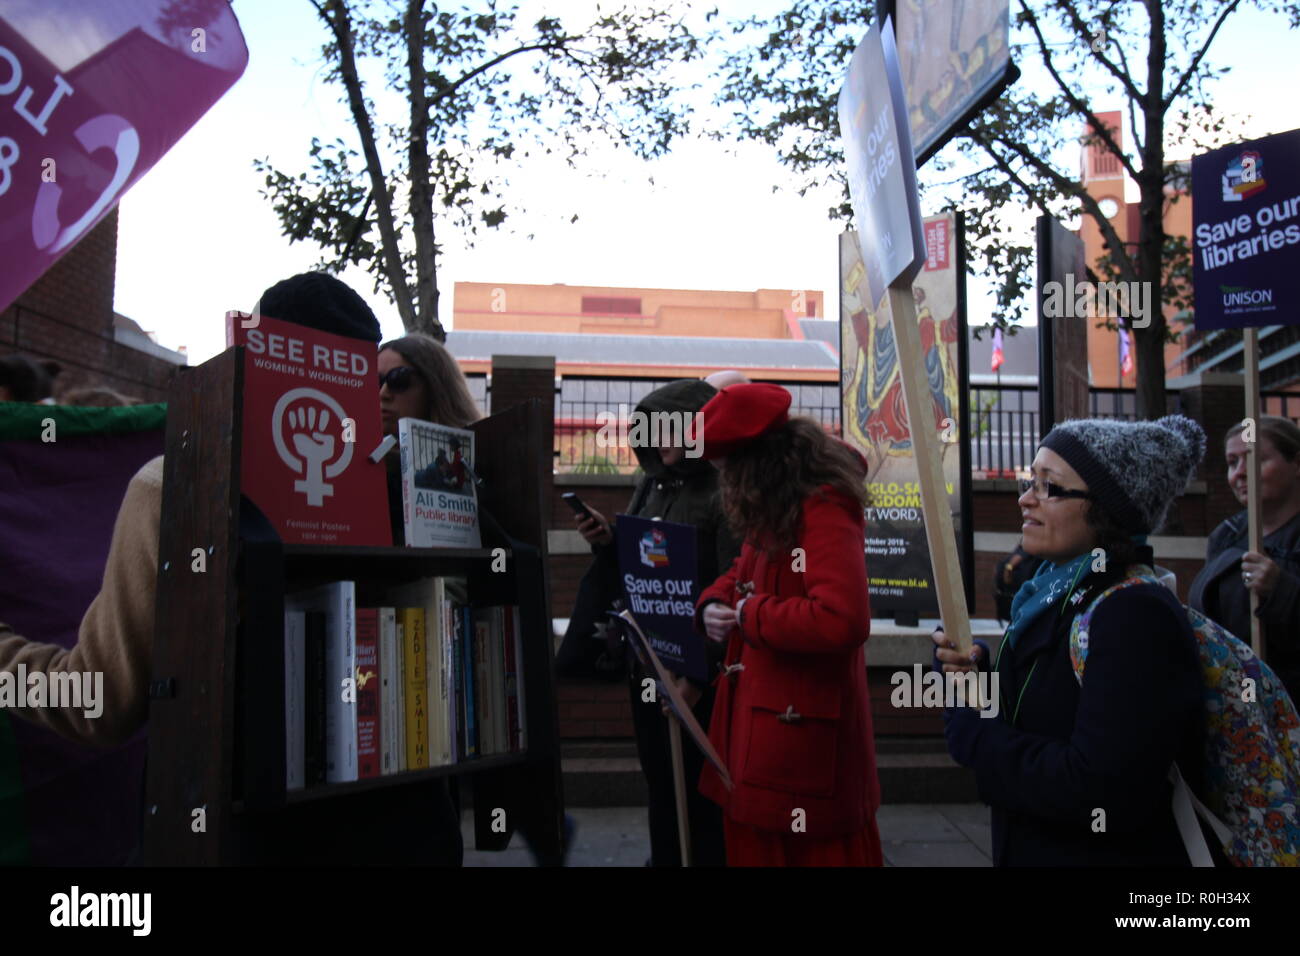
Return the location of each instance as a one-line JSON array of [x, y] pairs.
[[1045, 489], [398, 379]]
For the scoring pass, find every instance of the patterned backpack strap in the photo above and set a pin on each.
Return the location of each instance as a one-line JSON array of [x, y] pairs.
[[1138, 574]]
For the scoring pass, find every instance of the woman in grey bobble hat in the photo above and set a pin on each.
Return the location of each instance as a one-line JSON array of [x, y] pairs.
[[1077, 773]]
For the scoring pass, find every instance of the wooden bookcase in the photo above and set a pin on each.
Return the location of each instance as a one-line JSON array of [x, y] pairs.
[[216, 721]]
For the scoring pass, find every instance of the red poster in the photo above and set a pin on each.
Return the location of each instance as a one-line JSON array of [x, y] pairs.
[[311, 420], [936, 244]]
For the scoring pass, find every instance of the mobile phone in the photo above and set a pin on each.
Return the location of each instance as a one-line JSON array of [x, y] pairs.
[[574, 502]]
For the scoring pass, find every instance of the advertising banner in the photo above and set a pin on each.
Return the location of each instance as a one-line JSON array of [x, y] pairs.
[[875, 419], [954, 57], [1246, 233], [311, 419], [92, 94], [657, 565]]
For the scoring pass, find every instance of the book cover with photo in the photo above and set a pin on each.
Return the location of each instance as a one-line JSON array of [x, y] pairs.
[[439, 499]]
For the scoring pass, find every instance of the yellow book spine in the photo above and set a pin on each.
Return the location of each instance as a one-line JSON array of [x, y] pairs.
[[417, 716]]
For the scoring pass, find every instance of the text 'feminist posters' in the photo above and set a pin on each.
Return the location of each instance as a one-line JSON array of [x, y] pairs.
[[1246, 233], [310, 420], [92, 94], [657, 565], [875, 416]]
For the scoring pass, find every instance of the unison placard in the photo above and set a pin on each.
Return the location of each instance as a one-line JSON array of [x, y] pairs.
[[1246, 233], [657, 565]]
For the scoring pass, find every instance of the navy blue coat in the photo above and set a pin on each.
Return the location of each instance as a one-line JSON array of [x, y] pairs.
[[1059, 752]]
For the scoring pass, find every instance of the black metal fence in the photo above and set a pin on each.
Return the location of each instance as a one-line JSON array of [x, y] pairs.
[[588, 438], [1004, 419]]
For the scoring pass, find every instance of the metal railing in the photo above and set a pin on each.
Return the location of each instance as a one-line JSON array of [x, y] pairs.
[[1005, 421], [581, 447], [1004, 418]]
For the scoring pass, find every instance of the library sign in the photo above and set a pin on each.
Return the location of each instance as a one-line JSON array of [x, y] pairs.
[[92, 94], [311, 418], [657, 567], [1246, 233]]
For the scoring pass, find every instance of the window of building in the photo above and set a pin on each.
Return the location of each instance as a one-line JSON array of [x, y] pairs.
[[605, 305]]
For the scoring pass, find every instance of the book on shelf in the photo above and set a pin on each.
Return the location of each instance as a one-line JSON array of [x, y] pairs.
[[314, 717], [434, 681], [439, 497], [429, 594], [392, 760], [366, 687], [336, 602], [417, 748]]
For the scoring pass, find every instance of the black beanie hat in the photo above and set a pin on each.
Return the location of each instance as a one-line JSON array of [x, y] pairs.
[[320, 301]]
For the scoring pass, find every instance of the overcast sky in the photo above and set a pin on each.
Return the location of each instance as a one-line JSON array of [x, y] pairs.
[[197, 239]]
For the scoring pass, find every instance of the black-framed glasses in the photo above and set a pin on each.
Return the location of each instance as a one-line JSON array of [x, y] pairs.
[[1045, 489], [398, 379]]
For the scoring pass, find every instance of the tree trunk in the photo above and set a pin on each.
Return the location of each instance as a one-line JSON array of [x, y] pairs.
[[1150, 342], [421, 199], [341, 25]]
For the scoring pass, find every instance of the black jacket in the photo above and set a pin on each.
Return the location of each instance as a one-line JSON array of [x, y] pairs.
[[1060, 761], [687, 493], [1220, 594]]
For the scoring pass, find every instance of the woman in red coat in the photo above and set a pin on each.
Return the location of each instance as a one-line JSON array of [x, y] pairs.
[[792, 719]]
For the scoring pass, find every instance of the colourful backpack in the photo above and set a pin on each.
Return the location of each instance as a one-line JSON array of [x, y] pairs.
[[1252, 748]]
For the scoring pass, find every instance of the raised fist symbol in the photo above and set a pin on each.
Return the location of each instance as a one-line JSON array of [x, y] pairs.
[[303, 426], [316, 446]]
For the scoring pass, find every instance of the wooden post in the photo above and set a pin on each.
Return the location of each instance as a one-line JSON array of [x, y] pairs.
[[927, 451], [679, 786], [1250, 362]]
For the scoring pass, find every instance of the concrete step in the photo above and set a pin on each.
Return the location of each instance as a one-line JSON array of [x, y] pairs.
[[608, 774]]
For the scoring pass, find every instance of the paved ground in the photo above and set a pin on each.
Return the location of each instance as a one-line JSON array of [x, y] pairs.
[[911, 834]]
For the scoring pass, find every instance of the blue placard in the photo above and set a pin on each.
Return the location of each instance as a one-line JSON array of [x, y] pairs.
[[878, 153], [657, 568], [1246, 233]]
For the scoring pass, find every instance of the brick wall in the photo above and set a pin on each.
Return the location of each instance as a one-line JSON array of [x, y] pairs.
[[67, 315], [594, 709]]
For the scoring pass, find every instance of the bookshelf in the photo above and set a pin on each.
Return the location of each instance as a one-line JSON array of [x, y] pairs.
[[216, 722]]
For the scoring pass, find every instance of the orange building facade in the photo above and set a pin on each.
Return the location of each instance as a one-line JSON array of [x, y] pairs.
[[569, 310], [1105, 180]]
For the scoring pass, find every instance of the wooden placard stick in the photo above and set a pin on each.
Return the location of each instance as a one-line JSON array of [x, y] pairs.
[[928, 452], [1250, 361], [679, 788]]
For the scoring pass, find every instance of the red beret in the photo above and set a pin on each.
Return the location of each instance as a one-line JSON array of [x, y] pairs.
[[740, 413]]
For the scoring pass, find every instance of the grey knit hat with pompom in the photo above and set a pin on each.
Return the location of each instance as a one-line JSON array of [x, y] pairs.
[[1133, 469]]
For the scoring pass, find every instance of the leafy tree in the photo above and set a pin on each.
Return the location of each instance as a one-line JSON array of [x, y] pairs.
[[480, 88], [1150, 57]]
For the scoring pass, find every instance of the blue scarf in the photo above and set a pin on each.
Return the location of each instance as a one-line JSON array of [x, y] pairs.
[[1049, 586], [1051, 583]]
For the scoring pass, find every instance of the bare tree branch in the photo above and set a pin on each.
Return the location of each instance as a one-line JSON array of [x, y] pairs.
[[1081, 28], [1200, 55], [1099, 129]]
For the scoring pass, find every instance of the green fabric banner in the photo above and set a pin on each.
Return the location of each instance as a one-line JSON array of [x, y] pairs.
[[23, 422]]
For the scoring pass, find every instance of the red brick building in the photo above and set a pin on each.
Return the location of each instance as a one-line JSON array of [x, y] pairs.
[[67, 315]]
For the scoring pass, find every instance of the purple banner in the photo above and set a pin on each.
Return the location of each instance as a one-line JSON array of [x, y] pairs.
[[92, 94], [58, 505], [1246, 229]]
